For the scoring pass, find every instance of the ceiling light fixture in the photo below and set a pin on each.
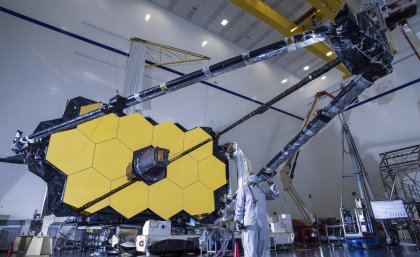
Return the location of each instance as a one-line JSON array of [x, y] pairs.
[[204, 43], [284, 81], [329, 53], [147, 17], [224, 22], [295, 28], [306, 67], [323, 77]]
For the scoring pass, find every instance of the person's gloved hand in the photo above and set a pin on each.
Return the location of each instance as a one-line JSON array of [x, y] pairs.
[[239, 225]]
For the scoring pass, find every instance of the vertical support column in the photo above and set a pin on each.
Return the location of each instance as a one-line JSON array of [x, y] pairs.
[[356, 166]]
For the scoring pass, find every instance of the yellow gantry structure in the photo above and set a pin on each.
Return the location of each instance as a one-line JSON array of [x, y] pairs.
[[280, 23], [95, 157]]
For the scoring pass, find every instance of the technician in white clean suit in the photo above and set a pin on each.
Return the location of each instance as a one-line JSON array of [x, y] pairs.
[[251, 216]]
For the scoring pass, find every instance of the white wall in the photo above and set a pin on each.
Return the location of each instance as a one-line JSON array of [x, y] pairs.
[[40, 69]]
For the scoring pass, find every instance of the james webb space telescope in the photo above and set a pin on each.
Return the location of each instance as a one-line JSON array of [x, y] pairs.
[[109, 166]]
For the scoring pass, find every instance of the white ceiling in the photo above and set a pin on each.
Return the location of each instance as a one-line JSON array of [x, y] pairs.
[[247, 31], [244, 29]]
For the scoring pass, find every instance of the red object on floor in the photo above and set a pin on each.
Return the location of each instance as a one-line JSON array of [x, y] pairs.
[[10, 250], [236, 251]]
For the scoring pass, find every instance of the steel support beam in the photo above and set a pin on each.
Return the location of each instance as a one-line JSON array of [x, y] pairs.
[[266, 14]]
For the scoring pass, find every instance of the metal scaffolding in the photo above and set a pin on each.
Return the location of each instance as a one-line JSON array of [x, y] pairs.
[[400, 172]]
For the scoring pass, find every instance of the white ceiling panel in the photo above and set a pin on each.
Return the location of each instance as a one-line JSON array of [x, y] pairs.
[[264, 39], [162, 3], [247, 35], [229, 12], [232, 23], [183, 7], [291, 9], [240, 27], [274, 36], [254, 34], [206, 11], [214, 16]]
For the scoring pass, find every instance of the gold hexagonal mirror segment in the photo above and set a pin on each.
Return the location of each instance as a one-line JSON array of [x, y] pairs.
[[198, 200], [70, 151], [130, 200], [169, 136], [100, 129], [85, 186], [212, 172], [183, 171], [112, 158], [165, 198], [135, 131], [194, 137]]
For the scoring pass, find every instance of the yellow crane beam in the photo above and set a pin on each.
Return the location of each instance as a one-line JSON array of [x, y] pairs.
[[280, 23], [329, 8]]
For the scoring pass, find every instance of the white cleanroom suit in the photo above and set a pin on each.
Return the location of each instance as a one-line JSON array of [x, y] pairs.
[[251, 211]]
